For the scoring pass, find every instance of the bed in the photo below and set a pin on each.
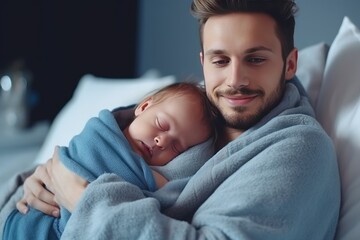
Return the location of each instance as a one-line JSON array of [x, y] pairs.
[[330, 74]]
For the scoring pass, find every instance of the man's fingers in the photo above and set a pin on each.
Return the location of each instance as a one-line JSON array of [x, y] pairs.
[[41, 173], [38, 193], [22, 206], [44, 207], [47, 199]]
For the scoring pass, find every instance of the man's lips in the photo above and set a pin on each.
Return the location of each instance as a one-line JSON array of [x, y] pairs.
[[239, 100]]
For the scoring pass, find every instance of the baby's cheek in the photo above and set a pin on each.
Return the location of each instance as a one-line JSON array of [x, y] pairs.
[[169, 155]]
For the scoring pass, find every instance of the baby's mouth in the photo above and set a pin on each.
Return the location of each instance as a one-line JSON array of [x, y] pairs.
[[146, 150]]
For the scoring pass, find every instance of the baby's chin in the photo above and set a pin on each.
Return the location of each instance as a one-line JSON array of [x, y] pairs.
[[146, 159]]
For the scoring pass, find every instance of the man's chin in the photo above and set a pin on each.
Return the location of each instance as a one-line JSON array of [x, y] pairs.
[[241, 120]]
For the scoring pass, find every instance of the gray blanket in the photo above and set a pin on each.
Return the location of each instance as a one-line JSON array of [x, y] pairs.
[[278, 180]]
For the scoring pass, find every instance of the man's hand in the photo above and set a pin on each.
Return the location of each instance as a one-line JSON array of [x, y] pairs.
[[36, 195], [66, 185]]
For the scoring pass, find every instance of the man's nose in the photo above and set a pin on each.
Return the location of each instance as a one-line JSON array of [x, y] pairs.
[[237, 76]]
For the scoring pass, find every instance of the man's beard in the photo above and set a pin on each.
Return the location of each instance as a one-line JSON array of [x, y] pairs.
[[236, 119]]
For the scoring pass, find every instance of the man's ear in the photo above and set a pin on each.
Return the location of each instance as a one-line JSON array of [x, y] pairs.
[[143, 106], [291, 64], [201, 58]]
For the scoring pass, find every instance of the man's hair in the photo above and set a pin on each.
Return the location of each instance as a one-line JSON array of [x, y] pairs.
[[193, 89], [282, 11]]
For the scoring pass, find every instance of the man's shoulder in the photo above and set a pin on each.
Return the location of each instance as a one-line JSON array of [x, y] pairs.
[[294, 136], [303, 131]]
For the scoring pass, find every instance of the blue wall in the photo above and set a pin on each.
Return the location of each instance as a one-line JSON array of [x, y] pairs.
[[319, 20], [168, 37]]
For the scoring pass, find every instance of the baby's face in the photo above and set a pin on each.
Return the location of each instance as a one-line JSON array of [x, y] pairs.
[[163, 130]]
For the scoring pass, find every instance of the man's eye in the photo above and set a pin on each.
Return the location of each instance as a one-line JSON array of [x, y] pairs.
[[255, 60], [220, 62]]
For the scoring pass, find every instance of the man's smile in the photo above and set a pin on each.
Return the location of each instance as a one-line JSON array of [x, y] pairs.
[[239, 100]]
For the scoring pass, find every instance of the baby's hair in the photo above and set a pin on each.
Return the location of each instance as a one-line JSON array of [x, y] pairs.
[[194, 89]]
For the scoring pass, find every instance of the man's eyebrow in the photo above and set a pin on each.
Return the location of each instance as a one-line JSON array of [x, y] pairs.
[[215, 52], [258, 48], [247, 51]]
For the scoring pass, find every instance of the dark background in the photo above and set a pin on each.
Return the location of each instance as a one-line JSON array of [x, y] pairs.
[[60, 41]]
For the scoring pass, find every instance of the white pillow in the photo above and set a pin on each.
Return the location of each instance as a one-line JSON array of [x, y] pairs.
[[338, 110], [91, 95], [311, 64]]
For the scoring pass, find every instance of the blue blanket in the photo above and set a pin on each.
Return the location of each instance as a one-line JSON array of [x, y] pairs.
[[100, 148]]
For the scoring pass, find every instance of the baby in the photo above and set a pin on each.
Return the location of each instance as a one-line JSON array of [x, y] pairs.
[[164, 125]]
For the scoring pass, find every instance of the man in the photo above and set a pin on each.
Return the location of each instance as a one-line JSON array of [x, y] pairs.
[[275, 174]]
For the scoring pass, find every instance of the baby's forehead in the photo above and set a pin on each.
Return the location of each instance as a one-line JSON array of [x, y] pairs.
[[182, 94], [190, 99]]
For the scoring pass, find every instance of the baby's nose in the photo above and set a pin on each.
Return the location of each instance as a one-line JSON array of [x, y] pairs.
[[161, 141]]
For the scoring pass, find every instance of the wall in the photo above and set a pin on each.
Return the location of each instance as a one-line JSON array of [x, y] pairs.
[[319, 20], [169, 34], [61, 40], [168, 38]]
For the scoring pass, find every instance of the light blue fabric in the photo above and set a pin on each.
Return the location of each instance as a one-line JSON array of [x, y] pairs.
[[100, 148], [278, 180]]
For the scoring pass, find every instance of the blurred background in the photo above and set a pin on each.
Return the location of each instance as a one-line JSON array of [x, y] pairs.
[[47, 46]]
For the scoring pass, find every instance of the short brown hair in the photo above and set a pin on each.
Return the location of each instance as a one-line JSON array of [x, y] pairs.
[[282, 11]]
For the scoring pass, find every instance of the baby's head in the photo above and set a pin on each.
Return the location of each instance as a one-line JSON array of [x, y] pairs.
[[170, 121]]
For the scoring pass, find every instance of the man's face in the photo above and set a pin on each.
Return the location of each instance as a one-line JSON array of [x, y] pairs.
[[243, 67]]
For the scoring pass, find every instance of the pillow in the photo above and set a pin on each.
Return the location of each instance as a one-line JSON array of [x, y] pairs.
[[91, 95], [311, 64], [338, 110]]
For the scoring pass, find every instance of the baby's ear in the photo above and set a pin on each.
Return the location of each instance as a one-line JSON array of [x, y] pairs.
[[143, 106]]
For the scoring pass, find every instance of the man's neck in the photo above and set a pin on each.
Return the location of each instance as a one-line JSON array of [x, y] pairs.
[[227, 135]]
